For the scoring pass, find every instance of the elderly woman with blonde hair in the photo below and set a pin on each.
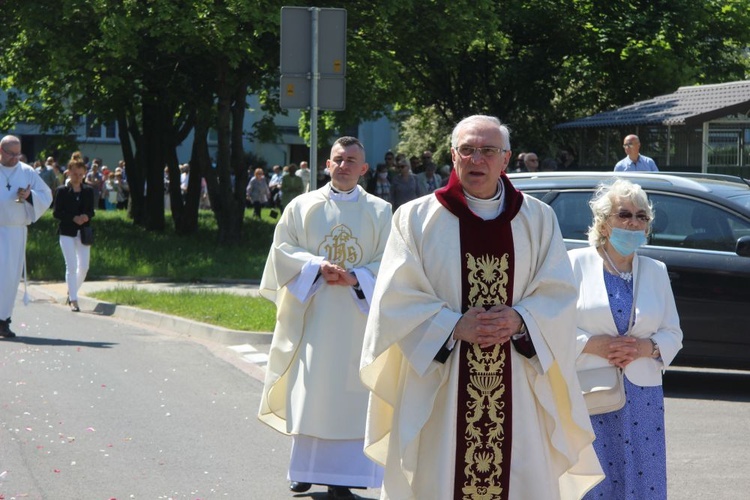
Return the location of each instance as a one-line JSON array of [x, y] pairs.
[[626, 318]]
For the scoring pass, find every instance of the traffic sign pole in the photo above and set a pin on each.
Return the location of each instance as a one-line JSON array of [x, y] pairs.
[[313, 66], [314, 101]]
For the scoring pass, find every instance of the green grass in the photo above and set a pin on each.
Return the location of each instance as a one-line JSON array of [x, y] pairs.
[[227, 310], [123, 249]]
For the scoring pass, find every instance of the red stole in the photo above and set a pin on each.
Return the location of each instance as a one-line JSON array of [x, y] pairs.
[[484, 423]]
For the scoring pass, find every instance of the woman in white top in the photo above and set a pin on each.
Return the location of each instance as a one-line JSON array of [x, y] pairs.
[[630, 442]]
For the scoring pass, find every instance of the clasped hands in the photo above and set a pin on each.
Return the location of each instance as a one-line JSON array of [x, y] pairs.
[[336, 275], [488, 327], [81, 219], [620, 351]]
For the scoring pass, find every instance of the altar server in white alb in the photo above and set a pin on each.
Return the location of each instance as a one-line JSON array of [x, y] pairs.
[[24, 197], [470, 347], [321, 273]]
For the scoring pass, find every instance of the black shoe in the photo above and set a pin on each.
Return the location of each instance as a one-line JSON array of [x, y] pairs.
[[5, 330], [74, 306], [298, 487], [340, 493]]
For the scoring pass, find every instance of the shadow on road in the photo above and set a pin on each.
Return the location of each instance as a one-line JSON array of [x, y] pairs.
[[322, 495], [59, 342], [710, 385]]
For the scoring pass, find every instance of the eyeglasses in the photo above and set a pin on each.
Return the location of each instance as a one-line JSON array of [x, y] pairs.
[[628, 145], [12, 155], [625, 215], [484, 151]]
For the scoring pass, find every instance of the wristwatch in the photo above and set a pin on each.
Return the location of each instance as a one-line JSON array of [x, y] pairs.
[[357, 289], [654, 349]]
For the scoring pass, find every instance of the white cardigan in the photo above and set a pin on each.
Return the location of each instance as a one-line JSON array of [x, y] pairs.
[[655, 313]]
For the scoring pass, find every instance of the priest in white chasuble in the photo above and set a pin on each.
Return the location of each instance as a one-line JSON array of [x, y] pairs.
[[469, 351], [24, 197], [321, 273]]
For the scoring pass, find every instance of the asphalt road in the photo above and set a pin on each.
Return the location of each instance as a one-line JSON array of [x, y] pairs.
[[708, 434], [97, 407], [94, 407]]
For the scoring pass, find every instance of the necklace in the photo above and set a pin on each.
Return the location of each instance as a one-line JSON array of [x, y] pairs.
[[8, 177], [626, 276]]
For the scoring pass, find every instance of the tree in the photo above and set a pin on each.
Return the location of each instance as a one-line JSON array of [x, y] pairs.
[[162, 69], [425, 131], [157, 68], [533, 63]]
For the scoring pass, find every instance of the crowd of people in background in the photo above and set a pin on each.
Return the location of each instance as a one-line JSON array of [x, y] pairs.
[[397, 180], [530, 162], [277, 188], [401, 178], [110, 186]]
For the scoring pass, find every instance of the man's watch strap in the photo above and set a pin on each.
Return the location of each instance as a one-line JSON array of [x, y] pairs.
[[357, 289]]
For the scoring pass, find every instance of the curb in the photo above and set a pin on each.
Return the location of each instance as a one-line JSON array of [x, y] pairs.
[[181, 326]]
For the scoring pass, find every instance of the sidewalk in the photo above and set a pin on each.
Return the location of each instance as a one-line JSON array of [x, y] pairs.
[[57, 292]]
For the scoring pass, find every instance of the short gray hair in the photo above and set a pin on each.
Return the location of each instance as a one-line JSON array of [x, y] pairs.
[[492, 120], [602, 201]]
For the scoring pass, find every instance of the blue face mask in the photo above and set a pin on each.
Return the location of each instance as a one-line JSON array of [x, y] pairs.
[[626, 242]]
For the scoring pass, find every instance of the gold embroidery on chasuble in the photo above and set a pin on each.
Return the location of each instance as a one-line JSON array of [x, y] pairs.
[[484, 431], [341, 247], [488, 279]]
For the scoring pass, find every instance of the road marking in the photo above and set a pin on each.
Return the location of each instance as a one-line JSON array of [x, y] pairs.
[[251, 354]]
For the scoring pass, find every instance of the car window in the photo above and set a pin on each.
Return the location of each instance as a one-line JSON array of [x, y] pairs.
[[678, 221], [573, 213], [689, 223]]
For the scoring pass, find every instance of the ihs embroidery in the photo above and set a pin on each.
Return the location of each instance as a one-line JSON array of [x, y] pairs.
[[341, 247]]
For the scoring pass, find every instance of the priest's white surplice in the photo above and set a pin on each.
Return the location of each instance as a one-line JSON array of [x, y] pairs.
[[14, 219], [312, 387]]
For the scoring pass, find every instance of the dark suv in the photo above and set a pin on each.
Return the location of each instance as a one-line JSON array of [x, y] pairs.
[[701, 231]]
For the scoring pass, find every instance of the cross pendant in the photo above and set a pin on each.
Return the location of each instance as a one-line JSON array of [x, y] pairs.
[[8, 185]]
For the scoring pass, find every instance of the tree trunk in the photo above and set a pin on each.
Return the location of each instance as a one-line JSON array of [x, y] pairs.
[[200, 161], [156, 123], [128, 131], [223, 193], [239, 168]]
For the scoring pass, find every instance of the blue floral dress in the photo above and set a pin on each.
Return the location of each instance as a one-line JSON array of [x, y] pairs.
[[630, 442]]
